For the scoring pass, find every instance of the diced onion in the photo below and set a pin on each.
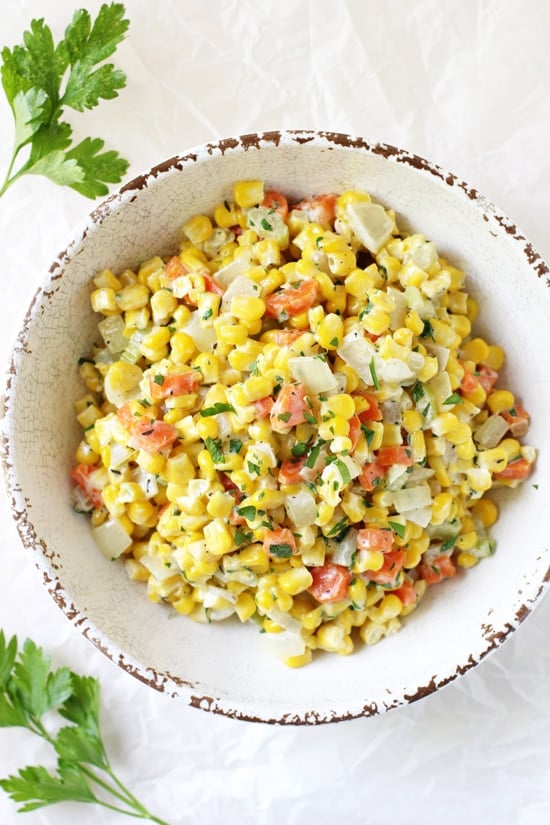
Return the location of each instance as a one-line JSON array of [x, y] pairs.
[[491, 432], [314, 373], [111, 538], [112, 332], [301, 508], [204, 337], [240, 286], [342, 551], [225, 275], [371, 224], [358, 352], [412, 498]]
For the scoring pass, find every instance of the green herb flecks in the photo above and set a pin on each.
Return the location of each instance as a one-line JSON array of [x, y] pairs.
[[372, 369], [41, 79], [280, 551], [214, 447], [216, 409]]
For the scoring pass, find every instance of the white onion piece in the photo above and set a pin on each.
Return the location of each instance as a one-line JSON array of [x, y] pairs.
[[301, 508], [204, 337], [342, 552], [225, 275], [111, 538], [370, 223], [314, 373], [491, 432], [412, 498], [241, 286], [112, 332]]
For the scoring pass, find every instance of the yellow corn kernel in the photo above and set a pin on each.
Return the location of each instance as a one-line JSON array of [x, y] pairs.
[[104, 300], [389, 608], [414, 551], [500, 400], [353, 506], [142, 512], [368, 559], [85, 454], [151, 463], [209, 366], [207, 427], [461, 325], [392, 435], [206, 465], [486, 511], [414, 322], [107, 278], [163, 305], [331, 637], [299, 660], [442, 506], [437, 464], [220, 504], [413, 420], [88, 416], [255, 558], [333, 428], [429, 369], [376, 321], [465, 559], [467, 541], [179, 469], [461, 436], [358, 593], [257, 387], [475, 350], [184, 605], [247, 308], [198, 229], [495, 357], [154, 345], [234, 334], [134, 296], [248, 193], [218, 537], [295, 580], [443, 423], [342, 405], [245, 606], [494, 460], [341, 258], [227, 214], [330, 331]]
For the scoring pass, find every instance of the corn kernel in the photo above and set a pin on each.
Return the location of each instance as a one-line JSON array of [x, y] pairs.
[[486, 511], [465, 559], [134, 296], [104, 300], [248, 193], [198, 229], [500, 400], [296, 580]]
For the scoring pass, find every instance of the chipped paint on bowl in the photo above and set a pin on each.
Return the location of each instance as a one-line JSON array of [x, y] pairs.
[[223, 668]]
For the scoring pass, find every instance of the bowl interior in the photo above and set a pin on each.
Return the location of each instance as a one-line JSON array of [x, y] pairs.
[[224, 667]]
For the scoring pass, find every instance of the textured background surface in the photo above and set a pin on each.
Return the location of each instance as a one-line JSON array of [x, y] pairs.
[[466, 84]]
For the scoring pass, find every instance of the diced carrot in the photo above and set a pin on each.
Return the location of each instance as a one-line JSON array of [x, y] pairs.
[[388, 456], [291, 469], [174, 268], [277, 202], [388, 573], [174, 383], [152, 436], [81, 475], [487, 377], [517, 419], [370, 475], [292, 299], [373, 412], [280, 543], [285, 337], [263, 406], [517, 470], [146, 433], [210, 285], [330, 583], [442, 567], [354, 431], [375, 538], [319, 209], [289, 408], [469, 382], [407, 593]]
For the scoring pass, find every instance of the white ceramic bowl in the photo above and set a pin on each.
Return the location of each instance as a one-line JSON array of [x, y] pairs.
[[222, 668]]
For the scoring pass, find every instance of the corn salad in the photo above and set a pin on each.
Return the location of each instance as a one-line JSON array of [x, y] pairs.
[[291, 421]]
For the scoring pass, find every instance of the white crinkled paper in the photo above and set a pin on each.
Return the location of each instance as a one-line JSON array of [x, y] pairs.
[[466, 84]]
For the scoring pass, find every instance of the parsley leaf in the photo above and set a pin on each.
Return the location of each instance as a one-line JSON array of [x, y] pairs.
[[29, 688], [33, 75], [215, 409], [214, 447]]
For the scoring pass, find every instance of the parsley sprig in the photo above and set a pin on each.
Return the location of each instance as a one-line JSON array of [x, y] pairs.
[[41, 78], [31, 693]]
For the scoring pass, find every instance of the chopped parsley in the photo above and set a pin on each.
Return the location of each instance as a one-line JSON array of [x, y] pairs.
[[454, 398], [248, 512], [280, 551], [398, 528], [214, 447], [374, 376], [216, 409]]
